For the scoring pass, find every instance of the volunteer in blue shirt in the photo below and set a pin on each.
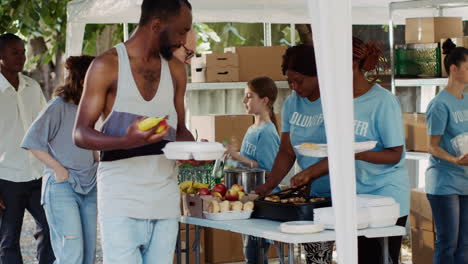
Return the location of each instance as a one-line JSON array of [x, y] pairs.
[[302, 121], [446, 176], [260, 144]]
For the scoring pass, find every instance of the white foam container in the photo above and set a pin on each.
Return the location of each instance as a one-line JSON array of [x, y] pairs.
[[322, 152], [185, 150], [229, 215], [383, 216], [301, 227], [370, 200], [326, 217]]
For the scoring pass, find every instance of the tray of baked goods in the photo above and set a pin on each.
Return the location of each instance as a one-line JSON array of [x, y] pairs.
[[292, 204]]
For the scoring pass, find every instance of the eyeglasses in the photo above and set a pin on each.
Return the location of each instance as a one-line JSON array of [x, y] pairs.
[[189, 53]]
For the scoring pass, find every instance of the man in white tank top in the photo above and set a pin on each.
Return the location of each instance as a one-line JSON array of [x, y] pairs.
[[138, 196]]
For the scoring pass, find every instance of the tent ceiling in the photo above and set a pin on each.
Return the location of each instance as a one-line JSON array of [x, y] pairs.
[[274, 11]]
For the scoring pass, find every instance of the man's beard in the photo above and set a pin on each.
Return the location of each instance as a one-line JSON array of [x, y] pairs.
[[166, 48]]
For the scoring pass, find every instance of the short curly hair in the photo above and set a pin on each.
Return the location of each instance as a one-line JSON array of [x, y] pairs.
[[301, 59]]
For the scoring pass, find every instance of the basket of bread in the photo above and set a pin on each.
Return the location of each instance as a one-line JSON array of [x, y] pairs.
[[293, 204]]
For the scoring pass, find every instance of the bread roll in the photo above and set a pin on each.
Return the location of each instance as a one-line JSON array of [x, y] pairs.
[[309, 146], [213, 207], [248, 206], [236, 206], [224, 206]]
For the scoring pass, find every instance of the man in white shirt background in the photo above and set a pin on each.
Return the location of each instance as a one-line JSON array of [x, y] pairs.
[[21, 100]]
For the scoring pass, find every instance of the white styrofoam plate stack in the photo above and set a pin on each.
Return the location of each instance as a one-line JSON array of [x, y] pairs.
[[186, 150], [322, 150], [301, 227]]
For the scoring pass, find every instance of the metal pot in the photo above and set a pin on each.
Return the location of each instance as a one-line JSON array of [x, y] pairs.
[[246, 177]]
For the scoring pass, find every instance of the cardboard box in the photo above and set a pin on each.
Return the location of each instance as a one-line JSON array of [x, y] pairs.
[[420, 211], [224, 246], [460, 42], [215, 67], [189, 245], [422, 246], [432, 29], [218, 74], [416, 137], [259, 61], [221, 128]]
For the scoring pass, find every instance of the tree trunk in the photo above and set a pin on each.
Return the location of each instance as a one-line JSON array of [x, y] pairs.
[[305, 33], [38, 47]]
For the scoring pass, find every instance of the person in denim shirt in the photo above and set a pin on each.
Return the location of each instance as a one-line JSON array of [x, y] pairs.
[[69, 182]]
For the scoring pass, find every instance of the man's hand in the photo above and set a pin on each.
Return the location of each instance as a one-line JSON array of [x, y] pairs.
[[61, 174], [462, 160], [136, 138]]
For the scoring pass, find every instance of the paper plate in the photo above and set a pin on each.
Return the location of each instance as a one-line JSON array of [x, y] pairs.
[[301, 227], [322, 152]]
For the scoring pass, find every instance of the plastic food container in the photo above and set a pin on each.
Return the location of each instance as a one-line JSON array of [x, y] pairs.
[[185, 150], [322, 152], [301, 227], [326, 217], [229, 215]]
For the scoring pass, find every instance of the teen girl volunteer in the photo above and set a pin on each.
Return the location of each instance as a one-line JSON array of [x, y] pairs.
[[69, 183], [447, 174], [260, 144]]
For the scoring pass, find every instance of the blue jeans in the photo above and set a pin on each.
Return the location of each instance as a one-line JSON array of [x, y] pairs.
[[72, 221], [450, 213], [251, 244], [138, 241]]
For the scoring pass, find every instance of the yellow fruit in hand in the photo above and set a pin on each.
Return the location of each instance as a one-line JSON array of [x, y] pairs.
[[150, 122]]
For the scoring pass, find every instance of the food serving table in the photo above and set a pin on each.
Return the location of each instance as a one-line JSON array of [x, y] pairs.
[[271, 230]]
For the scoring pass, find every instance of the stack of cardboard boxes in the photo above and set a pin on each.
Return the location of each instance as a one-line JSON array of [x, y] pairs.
[[239, 64], [184, 245], [422, 56], [422, 228]]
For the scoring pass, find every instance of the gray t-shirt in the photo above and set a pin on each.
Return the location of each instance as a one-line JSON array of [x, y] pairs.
[[52, 132]]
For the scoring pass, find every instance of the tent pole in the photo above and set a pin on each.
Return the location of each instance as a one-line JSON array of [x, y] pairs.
[[267, 34], [125, 31], [293, 34]]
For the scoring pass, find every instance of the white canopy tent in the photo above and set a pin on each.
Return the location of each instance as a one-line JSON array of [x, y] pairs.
[[331, 23]]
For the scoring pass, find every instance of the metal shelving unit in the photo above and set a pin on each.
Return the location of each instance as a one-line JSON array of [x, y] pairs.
[[428, 85], [227, 86], [440, 6]]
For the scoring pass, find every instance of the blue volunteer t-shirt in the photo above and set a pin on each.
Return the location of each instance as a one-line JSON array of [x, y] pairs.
[[261, 144], [303, 120], [446, 116], [377, 117]]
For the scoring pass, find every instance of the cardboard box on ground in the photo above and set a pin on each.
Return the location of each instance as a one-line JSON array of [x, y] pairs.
[[422, 228], [189, 245], [416, 137], [432, 29], [224, 246], [460, 42]]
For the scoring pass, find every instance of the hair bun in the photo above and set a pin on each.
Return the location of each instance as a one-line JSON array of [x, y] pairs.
[[448, 46]]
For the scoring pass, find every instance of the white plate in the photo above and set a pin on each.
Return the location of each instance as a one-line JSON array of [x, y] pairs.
[[301, 227], [229, 215], [322, 152]]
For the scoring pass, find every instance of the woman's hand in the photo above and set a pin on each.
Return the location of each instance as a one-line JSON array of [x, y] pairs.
[[61, 175], [301, 178], [264, 189], [462, 160]]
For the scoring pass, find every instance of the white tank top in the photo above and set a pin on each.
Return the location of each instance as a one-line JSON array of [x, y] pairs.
[[138, 183]]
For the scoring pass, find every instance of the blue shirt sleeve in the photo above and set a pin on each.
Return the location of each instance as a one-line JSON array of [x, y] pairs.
[[267, 148], [437, 117], [43, 129], [390, 123], [286, 115]]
